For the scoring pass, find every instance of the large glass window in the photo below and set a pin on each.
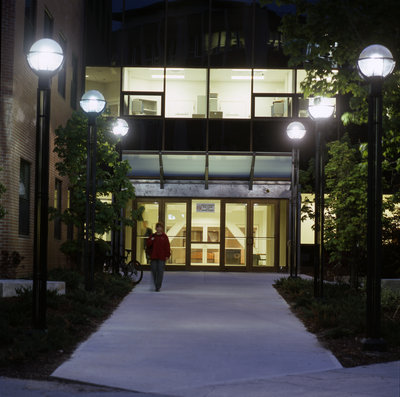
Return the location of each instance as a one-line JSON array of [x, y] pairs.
[[283, 232], [301, 76], [273, 81], [205, 248], [143, 79], [264, 235], [235, 234], [24, 197], [62, 74], [107, 81], [267, 106], [141, 83], [187, 32], [29, 23], [48, 25], [186, 92], [145, 228], [142, 105], [230, 93], [175, 228]]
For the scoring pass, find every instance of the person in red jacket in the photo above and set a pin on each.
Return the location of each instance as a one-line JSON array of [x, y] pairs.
[[159, 251]]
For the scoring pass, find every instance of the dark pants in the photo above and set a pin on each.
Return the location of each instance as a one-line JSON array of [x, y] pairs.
[[157, 269]]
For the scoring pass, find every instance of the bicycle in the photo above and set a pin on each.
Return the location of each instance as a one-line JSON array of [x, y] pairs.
[[132, 269]]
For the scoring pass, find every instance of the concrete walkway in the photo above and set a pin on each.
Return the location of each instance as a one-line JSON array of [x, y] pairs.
[[213, 334]]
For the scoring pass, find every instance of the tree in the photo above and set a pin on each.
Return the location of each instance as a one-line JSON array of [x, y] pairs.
[[346, 207], [325, 38], [325, 35], [111, 176]]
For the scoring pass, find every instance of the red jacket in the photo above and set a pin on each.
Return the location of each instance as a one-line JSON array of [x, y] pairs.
[[160, 248]]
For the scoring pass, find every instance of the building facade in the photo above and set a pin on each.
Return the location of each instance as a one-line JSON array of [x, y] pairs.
[[22, 23], [207, 93]]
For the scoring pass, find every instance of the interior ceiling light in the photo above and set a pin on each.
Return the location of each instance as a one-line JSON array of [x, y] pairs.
[[247, 77], [169, 76]]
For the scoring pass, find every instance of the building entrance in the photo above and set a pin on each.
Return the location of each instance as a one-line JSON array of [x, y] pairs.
[[215, 234]]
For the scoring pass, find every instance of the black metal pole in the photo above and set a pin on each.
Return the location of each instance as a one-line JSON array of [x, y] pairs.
[[119, 232], [297, 214], [292, 214], [321, 253], [317, 205], [41, 204], [90, 202], [373, 340], [93, 204]]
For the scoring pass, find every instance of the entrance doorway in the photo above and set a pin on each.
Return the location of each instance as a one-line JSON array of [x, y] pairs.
[[217, 234]]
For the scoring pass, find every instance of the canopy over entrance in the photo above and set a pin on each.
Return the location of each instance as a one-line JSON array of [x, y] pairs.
[[208, 166]]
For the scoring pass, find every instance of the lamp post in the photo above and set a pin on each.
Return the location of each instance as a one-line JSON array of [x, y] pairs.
[[320, 109], [120, 129], [296, 132], [375, 63], [93, 104], [45, 58]]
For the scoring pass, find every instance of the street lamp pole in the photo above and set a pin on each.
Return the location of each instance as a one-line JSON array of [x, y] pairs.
[[320, 109], [120, 129], [375, 63], [295, 131], [93, 104], [45, 58]]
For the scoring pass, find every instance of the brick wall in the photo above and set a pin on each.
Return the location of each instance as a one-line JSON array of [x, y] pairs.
[[18, 116]]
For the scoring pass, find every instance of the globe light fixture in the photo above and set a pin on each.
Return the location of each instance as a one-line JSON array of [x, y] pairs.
[[45, 57], [321, 107], [120, 127], [375, 62], [296, 132], [93, 102]]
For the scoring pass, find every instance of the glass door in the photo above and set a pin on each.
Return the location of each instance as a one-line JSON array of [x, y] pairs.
[[205, 233], [175, 228], [235, 234], [145, 228], [264, 235]]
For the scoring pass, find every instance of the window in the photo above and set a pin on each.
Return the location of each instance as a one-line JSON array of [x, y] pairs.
[[186, 93], [273, 81], [230, 93], [143, 79], [108, 82], [74, 82], [57, 206], [272, 106], [24, 198], [143, 91], [62, 74], [48, 25], [29, 24]]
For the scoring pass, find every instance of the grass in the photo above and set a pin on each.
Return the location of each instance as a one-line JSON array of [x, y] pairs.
[[339, 318], [70, 319]]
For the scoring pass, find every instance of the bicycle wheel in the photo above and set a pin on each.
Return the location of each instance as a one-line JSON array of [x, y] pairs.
[[137, 271], [127, 269]]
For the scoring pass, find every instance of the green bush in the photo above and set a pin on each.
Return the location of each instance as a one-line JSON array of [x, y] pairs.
[[342, 311], [70, 317]]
